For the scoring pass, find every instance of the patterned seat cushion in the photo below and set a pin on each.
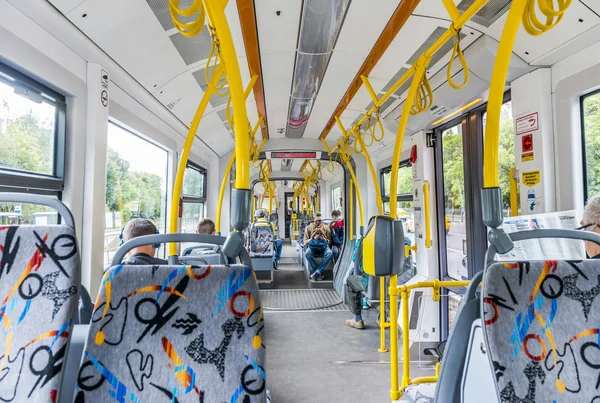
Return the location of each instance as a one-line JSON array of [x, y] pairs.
[[39, 279], [261, 241], [542, 328], [175, 333]]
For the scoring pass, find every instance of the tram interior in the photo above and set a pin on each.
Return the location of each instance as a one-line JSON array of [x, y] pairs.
[[431, 138]]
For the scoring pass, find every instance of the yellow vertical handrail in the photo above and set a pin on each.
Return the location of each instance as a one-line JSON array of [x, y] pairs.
[[185, 154], [350, 208], [514, 200], [427, 214], [496, 97], [216, 15], [222, 192], [358, 194]]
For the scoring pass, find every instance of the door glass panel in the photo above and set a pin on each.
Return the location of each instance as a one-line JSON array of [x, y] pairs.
[[454, 202], [506, 155]]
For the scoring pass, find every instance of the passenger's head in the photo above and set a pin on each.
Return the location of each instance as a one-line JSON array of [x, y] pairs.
[[318, 218], [260, 213], [206, 226], [140, 227], [591, 222], [336, 214], [318, 234]]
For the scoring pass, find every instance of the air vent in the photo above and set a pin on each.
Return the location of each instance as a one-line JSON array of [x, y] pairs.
[[160, 8], [439, 110], [358, 118], [200, 78], [396, 77], [286, 164], [193, 49], [281, 130], [489, 13], [387, 103], [435, 35]]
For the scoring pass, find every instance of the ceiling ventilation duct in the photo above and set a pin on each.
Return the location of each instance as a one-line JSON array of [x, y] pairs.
[[320, 26]]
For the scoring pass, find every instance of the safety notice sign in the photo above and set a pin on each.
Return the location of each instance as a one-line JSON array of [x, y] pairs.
[[531, 178], [525, 157], [527, 123]]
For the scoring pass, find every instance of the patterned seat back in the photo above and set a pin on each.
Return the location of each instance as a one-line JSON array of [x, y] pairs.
[[175, 333], [542, 330], [260, 242], [39, 280]]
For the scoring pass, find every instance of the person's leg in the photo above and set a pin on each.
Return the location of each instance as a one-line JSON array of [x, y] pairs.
[[326, 259], [278, 243], [336, 253], [310, 257], [354, 290]]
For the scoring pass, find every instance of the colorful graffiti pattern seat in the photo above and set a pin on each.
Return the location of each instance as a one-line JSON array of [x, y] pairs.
[[542, 328], [39, 280], [175, 333], [260, 242]]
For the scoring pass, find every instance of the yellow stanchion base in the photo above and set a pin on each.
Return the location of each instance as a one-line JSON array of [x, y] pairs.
[[395, 394], [383, 350]]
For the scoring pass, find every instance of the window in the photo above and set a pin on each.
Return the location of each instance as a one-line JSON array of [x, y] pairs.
[[25, 213], [136, 185], [590, 120], [336, 198], [32, 133], [405, 205], [194, 197]]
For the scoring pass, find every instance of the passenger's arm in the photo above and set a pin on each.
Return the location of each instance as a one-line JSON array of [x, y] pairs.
[[307, 236]]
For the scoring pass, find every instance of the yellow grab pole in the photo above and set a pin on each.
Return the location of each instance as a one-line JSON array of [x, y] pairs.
[[350, 205], [270, 202], [393, 291], [514, 200], [382, 321], [222, 192], [216, 14], [405, 294], [492, 125], [185, 154], [427, 214]]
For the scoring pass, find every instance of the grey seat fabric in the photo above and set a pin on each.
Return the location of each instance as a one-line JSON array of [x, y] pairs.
[[39, 280], [541, 329], [188, 333], [85, 306]]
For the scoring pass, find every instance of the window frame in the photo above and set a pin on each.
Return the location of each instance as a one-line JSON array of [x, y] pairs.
[[192, 198], [401, 197], [582, 99], [33, 182]]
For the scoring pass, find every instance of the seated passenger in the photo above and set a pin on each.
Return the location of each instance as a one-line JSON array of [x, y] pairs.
[[310, 233], [142, 255], [206, 226], [261, 219], [337, 234], [591, 222]]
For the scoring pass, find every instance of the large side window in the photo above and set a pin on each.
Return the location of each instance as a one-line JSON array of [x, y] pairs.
[[405, 205], [136, 184], [590, 119], [194, 197], [32, 138]]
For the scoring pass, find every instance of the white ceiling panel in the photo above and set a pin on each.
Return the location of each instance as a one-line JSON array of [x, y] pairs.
[[341, 71], [530, 48], [360, 100], [141, 48], [358, 36], [593, 4], [65, 6], [181, 95], [277, 69], [277, 33]]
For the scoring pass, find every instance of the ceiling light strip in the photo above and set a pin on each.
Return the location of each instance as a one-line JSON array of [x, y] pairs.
[[456, 112], [399, 18], [247, 15]]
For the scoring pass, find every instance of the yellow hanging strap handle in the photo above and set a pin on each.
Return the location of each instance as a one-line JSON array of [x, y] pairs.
[[185, 154], [553, 15], [192, 28], [423, 99], [457, 51]]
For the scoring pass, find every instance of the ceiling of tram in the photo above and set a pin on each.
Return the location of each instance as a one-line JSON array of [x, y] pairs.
[[139, 35]]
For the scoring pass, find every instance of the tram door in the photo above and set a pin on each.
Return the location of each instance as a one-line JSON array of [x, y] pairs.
[[289, 196], [459, 179]]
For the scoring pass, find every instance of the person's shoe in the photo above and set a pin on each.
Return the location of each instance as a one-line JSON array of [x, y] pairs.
[[314, 276], [275, 266], [355, 324]]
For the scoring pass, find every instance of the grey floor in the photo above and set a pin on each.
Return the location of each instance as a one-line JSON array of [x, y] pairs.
[[312, 357]]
